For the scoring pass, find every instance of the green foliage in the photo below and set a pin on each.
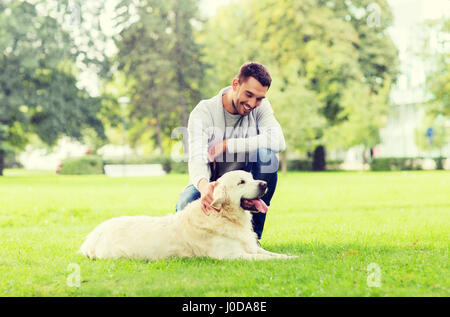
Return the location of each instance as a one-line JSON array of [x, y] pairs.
[[93, 164], [11, 160], [333, 165], [89, 164], [396, 163], [362, 116], [403, 163], [332, 71], [298, 111], [307, 165], [38, 87], [160, 61], [377, 54], [299, 165]]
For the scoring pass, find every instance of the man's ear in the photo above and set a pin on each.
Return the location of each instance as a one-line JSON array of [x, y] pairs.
[[235, 83], [220, 196]]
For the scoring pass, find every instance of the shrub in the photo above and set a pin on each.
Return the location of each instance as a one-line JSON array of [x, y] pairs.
[[396, 163], [89, 164], [299, 165], [333, 165], [179, 167], [11, 160], [440, 162], [307, 165]]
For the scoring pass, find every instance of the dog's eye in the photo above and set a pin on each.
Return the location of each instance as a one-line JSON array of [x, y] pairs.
[[241, 182]]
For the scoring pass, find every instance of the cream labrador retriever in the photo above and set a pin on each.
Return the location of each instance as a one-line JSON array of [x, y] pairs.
[[227, 234]]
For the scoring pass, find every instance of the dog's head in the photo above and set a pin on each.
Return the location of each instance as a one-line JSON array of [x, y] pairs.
[[240, 190]]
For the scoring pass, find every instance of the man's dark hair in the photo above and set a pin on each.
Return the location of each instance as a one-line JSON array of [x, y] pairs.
[[256, 70]]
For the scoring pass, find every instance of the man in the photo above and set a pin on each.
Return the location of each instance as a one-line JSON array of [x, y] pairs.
[[237, 123]]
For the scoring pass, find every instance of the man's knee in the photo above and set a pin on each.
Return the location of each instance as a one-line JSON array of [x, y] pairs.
[[188, 195], [183, 202], [266, 159]]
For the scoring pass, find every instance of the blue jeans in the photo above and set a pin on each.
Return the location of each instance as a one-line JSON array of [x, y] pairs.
[[263, 167]]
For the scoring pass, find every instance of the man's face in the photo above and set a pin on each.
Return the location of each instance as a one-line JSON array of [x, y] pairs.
[[248, 95]]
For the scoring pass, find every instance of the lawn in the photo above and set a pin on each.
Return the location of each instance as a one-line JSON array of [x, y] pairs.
[[356, 234]]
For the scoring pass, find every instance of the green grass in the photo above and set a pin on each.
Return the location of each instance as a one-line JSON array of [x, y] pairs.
[[337, 223]]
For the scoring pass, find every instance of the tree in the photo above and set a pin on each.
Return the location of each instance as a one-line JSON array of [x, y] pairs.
[[364, 112], [377, 54], [159, 56], [319, 52], [38, 87]]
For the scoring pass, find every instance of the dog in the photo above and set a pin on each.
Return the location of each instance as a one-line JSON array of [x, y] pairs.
[[226, 234]]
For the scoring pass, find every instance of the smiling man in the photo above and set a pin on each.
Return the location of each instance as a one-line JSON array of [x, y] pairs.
[[236, 129]]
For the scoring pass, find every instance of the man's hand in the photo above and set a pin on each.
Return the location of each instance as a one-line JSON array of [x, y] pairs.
[[216, 150], [206, 190]]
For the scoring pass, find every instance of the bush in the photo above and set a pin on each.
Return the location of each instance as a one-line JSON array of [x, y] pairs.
[[439, 162], [89, 164], [11, 161], [333, 165], [396, 164], [179, 167], [307, 165], [299, 165]]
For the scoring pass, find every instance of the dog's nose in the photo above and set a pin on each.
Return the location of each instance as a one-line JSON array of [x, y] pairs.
[[262, 185]]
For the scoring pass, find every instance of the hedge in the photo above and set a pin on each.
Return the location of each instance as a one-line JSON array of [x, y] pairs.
[[307, 165], [93, 164], [89, 164], [402, 163]]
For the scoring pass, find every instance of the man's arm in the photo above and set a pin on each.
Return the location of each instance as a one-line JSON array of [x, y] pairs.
[[199, 171], [270, 134], [198, 147]]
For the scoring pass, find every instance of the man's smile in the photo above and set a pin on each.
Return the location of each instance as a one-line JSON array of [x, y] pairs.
[[246, 107]]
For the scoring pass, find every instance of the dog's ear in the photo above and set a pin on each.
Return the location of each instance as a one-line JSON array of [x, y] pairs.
[[220, 196]]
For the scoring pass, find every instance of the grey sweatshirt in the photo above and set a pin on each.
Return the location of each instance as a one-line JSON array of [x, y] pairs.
[[207, 126]]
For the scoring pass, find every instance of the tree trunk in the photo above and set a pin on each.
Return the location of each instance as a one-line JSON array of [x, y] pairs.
[[283, 159], [180, 61], [319, 158], [159, 136], [182, 88], [184, 110], [365, 161], [2, 161]]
